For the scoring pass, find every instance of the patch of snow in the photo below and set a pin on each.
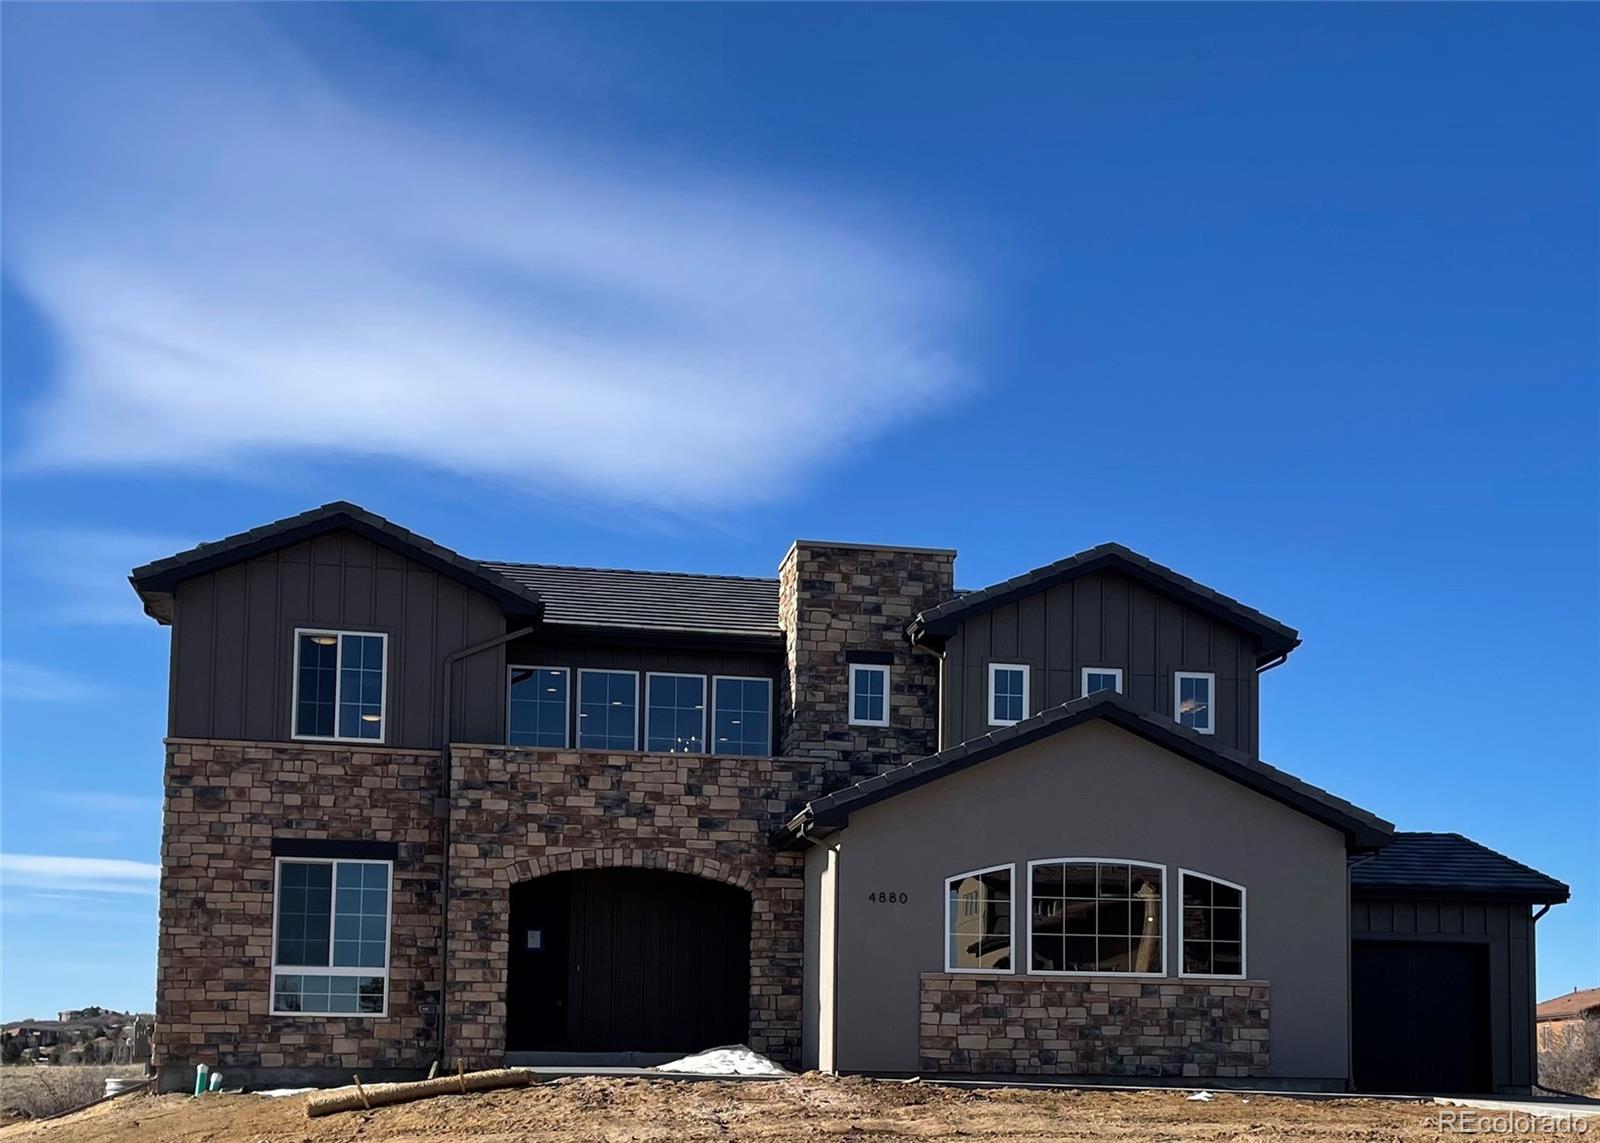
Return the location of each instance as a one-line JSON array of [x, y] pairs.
[[281, 1092], [1200, 1097], [732, 1060]]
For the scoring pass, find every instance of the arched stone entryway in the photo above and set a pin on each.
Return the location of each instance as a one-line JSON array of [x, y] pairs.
[[627, 959]]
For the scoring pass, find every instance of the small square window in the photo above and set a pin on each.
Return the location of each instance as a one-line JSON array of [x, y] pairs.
[[1097, 679], [1008, 693], [1193, 700], [869, 695]]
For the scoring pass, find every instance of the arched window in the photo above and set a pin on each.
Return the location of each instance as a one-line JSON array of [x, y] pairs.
[[1096, 915], [1211, 938], [979, 928]]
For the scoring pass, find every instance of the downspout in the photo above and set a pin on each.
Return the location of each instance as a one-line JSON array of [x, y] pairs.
[[442, 808]]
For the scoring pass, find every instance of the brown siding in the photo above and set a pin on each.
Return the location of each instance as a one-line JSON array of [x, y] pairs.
[[1508, 931], [1099, 620], [233, 642]]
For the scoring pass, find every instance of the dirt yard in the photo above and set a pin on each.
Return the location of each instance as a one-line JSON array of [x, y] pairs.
[[802, 1109]]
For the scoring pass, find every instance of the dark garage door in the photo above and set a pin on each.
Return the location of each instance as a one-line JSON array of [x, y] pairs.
[[1420, 1016], [618, 960]]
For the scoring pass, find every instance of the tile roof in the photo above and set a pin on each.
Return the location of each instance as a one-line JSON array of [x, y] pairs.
[[1447, 864], [1362, 829], [1276, 638], [1574, 1004], [156, 580], [651, 601]]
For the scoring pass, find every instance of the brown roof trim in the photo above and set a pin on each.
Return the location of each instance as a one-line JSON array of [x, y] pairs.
[[1362, 830], [156, 581], [1275, 639]]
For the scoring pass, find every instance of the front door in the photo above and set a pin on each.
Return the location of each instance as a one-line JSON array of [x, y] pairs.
[[612, 960]]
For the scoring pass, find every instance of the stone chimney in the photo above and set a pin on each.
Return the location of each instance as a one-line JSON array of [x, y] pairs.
[[843, 603]]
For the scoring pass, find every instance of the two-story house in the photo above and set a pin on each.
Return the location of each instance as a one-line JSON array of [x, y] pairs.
[[425, 808]]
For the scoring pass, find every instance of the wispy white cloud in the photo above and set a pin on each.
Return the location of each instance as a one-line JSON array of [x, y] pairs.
[[77, 875], [86, 571], [105, 801], [30, 682], [243, 263]]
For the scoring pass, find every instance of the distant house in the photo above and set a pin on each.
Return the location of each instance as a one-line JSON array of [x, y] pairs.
[[1559, 1017]]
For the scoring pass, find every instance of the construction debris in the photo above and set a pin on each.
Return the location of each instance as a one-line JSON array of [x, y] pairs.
[[360, 1097]]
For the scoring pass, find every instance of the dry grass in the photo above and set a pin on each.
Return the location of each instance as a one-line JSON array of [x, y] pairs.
[[32, 1091], [807, 1109], [1569, 1058]]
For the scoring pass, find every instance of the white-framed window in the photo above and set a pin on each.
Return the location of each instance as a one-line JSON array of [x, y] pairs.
[[1008, 693], [979, 921], [674, 713], [608, 710], [339, 685], [330, 937], [538, 707], [1096, 916], [741, 716], [1097, 679], [1194, 696], [869, 695], [1211, 937]]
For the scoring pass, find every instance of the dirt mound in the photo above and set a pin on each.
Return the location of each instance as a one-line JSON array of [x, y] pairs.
[[800, 1110]]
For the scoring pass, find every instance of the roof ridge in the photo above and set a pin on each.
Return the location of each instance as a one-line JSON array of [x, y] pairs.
[[632, 571]]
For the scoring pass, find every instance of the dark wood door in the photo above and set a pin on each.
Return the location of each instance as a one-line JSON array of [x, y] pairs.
[[1420, 1016], [628, 960]]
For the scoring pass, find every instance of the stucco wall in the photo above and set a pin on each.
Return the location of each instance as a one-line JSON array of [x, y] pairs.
[[1093, 791]]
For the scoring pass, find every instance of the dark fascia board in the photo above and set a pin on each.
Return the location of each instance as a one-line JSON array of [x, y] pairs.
[[1363, 831], [156, 581], [1275, 639], [1559, 894], [611, 635]]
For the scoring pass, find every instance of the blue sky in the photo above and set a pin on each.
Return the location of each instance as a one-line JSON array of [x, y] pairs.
[[1300, 300]]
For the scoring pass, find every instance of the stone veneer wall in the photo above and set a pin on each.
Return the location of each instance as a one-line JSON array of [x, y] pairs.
[[225, 802], [835, 599], [1094, 1027], [521, 813]]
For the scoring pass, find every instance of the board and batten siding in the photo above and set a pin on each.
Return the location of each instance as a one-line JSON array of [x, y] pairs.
[[233, 642], [1507, 928], [1099, 620]]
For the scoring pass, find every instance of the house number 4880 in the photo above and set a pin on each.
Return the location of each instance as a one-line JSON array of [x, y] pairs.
[[882, 898]]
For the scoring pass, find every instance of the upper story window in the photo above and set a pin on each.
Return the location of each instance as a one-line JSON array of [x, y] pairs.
[[979, 924], [1095, 915], [330, 937], [869, 695], [1193, 700], [1097, 679], [338, 689], [608, 710], [741, 716], [1008, 693], [675, 714], [537, 711], [1211, 940]]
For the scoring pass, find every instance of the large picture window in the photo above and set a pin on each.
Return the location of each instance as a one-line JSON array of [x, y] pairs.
[[675, 714], [1095, 915], [978, 926], [608, 710], [1211, 941], [330, 937], [741, 716], [338, 685], [538, 707], [1008, 693]]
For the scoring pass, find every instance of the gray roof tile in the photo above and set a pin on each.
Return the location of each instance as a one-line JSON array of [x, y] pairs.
[[1448, 864], [652, 601]]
